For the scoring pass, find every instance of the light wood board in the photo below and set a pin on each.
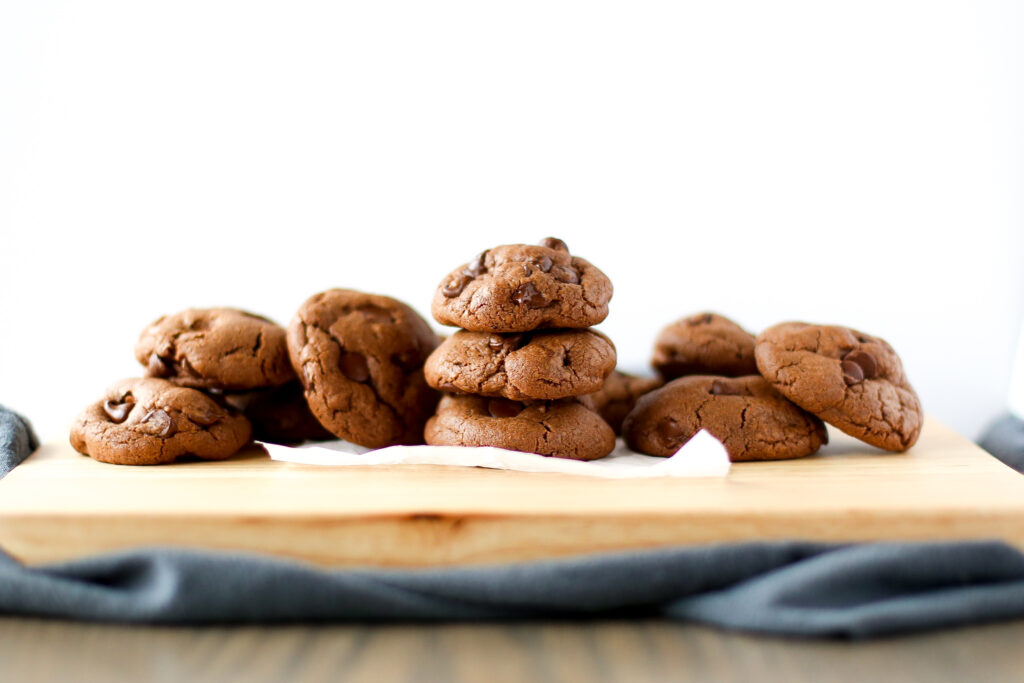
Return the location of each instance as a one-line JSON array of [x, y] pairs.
[[60, 505]]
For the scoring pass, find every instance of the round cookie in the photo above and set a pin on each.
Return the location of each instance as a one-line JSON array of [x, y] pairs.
[[360, 360], [153, 422], [847, 378], [751, 419], [616, 398], [279, 415], [561, 429], [518, 288], [704, 344], [215, 348], [542, 365]]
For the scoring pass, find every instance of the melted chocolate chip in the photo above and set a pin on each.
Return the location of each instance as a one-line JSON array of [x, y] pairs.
[[118, 411], [495, 342], [158, 423], [476, 267], [502, 407], [865, 360], [455, 286], [157, 366], [670, 433], [554, 243], [353, 365], [566, 274], [544, 263], [720, 388], [528, 295], [852, 373]]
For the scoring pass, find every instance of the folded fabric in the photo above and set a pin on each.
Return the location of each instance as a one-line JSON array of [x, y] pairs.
[[16, 440], [793, 588], [1005, 439]]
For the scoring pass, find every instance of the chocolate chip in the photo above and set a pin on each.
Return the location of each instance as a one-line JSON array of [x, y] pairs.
[[495, 342], [527, 269], [158, 423], [118, 411], [476, 267], [852, 373], [353, 365], [671, 433], [502, 407], [554, 243], [865, 360], [720, 388], [701, 320], [157, 366], [566, 274], [544, 263], [455, 286], [528, 295]]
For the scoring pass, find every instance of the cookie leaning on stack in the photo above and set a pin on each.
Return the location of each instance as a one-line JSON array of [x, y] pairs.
[[525, 353]]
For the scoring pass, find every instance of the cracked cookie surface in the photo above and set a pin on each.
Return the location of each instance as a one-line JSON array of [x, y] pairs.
[[215, 348], [360, 360], [616, 398], [746, 414], [561, 429], [542, 365], [154, 422], [519, 287], [704, 344], [849, 379]]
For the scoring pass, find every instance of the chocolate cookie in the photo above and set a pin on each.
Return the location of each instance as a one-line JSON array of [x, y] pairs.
[[704, 344], [153, 422], [562, 429], [279, 415], [215, 348], [531, 365], [847, 378], [360, 360], [751, 419], [517, 288], [616, 398]]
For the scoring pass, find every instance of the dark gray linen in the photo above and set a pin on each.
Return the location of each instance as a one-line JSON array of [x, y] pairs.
[[1005, 439], [17, 440]]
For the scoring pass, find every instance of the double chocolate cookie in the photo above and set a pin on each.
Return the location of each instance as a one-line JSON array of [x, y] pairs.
[[751, 419], [849, 379], [616, 398], [704, 344], [562, 429], [518, 287], [542, 365], [215, 348], [152, 422], [360, 360]]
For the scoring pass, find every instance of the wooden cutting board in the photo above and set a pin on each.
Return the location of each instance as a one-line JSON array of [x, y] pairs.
[[60, 505]]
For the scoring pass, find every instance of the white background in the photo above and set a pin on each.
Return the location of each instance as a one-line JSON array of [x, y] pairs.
[[859, 163]]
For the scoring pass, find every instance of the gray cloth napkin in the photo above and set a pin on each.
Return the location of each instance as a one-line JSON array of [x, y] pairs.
[[1005, 439], [17, 440], [791, 588]]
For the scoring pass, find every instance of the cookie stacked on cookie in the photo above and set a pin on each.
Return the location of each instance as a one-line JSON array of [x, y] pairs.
[[766, 397], [513, 374]]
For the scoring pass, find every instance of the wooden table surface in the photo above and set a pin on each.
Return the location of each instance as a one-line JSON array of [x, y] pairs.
[[34, 651]]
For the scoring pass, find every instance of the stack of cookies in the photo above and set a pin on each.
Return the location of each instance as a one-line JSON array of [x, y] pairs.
[[766, 397], [513, 374]]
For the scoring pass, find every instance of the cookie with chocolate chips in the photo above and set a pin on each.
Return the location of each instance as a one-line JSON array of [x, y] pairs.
[[616, 398], [215, 348], [561, 429], [704, 344], [542, 365], [360, 360], [847, 378], [751, 419], [518, 288], [154, 422]]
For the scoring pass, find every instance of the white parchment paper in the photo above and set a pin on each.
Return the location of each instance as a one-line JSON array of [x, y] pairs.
[[701, 456]]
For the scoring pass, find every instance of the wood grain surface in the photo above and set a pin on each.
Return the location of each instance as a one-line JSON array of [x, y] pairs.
[[587, 652], [60, 505]]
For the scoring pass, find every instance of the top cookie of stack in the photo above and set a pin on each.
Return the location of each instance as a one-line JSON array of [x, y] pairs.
[[524, 353]]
